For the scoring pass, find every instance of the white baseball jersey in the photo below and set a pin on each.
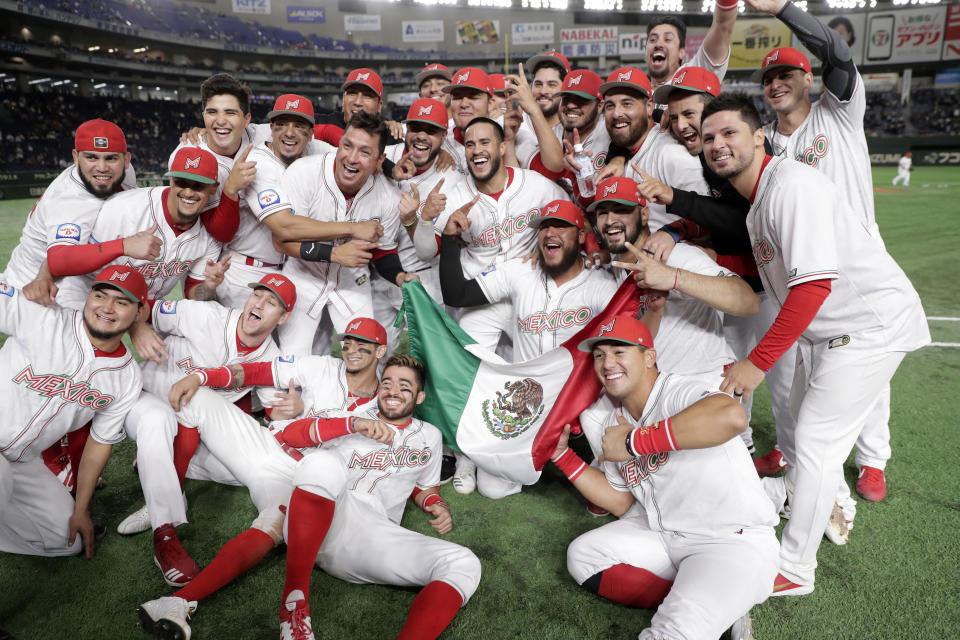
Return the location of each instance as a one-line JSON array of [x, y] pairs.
[[389, 472], [904, 164], [224, 163], [63, 215], [184, 254], [710, 492], [669, 162], [54, 381], [832, 140], [546, 315], [525, 145], [690, 338], [322, 381], [309, 186], [802, 231], [499, 229], [201, 335]]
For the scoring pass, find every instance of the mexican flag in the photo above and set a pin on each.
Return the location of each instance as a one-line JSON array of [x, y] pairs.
[[505, 417]]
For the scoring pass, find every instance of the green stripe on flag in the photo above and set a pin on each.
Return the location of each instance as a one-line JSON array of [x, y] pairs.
[[437, 341]]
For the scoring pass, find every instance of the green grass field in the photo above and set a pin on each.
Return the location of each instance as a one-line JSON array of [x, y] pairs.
[[896, 579]]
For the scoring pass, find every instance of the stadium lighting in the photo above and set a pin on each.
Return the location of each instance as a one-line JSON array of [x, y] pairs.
[[140, 49], [559, 5], [662, 6], [900, 3], [100, 86], [121, 86], [708, 6], [851, 4], [95, 47], [435, 2], [603, 5], [499, 4], [39, 81]]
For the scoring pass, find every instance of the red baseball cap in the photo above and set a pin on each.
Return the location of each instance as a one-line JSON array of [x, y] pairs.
[[364, 329], [693, 79], [194, 163], [433, 70], [100, 135], [366, 77], [628, 78], [471, 78], [559, 210], [622, 190], [583, 83], [498, 83], [783, 57], [293, 104], [280, 285], [620, 329], [428, 110], [548, 57], [126, 279]]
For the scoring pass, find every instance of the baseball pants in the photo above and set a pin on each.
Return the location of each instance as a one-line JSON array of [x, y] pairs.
[[903, 176], [35, 510], [233, 292], [364, 546], [715, 579], [297, 333]]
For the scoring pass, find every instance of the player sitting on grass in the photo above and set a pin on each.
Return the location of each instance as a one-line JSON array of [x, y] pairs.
[[702, 551]]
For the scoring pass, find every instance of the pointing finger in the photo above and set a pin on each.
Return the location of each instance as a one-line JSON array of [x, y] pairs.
[[436, 189]]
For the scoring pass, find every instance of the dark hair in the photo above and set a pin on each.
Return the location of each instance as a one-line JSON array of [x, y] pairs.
[[225, 84], [371, 123], [734, 101], [672, 21], [550, 63], [401, 360], [497, 129], [679, 94], [846, 25]]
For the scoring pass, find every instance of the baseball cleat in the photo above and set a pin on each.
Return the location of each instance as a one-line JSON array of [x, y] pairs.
[[770, 463], [295, 621], [741, 629], [871, 484], [167, 617], [176, 565], [136, 522], [465, 479], [448, 467], [838, 527], [782, 586]]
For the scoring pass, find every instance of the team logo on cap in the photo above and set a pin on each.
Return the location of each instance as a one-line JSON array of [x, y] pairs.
[[425, 111], [770, 58], [100, 142], [432, 67], [353, 326], [119, 275], [363, 76], [192, 163], [551, 210], [277, 282], [575, 81], [608, 190], [625, 75], [292, 104], [511, 413], [678, 79], [463, 77], [607, 328]]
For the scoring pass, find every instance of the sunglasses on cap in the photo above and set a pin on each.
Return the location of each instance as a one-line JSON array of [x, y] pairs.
[[184, 183]]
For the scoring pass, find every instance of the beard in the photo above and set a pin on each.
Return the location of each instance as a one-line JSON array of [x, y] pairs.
[[112, 188], [494, 163], [403, 411], [552, 109], [569, 258], [627, 237], [96, 334], [628, 138]]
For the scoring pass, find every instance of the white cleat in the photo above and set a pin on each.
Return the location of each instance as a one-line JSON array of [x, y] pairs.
[[136, 522], [465, 479], [838, 527], [167, 617], [741, 629]]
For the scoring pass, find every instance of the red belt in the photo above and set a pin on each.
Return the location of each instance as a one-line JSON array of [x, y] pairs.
[[253, 262], [290, 451]]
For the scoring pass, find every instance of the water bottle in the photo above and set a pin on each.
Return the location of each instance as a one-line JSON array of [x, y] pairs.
[[585, 174]]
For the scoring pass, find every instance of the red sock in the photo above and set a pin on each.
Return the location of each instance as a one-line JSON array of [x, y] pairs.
[[432, 611], [234, 559], [308, 520], [76, 441], [184, 446], [633, 587]]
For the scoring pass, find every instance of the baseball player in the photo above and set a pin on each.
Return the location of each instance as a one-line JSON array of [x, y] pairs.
[[431, 81], [548, 70], [835, 305], [829, 136], [360, 542], [361, 91], [68, 208], [426, 125], [342, 187], [904, 167], [699, 551], [164, 448], [470, 96], [61, 369]]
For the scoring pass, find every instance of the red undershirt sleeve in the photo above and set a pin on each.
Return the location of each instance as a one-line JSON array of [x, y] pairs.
[[223, 221], [188, 286], [801, 306], [75, 260], [536, 164], [255, 374]]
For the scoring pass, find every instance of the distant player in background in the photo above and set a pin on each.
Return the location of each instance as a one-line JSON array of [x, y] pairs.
[[904, 167]]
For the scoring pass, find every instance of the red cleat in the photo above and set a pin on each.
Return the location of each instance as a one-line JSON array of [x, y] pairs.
[[871, 484], [770, 463], [782, 586], [175, 563]]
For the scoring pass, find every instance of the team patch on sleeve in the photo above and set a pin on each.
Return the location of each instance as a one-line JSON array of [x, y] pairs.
[[285, 359], [268, 197], [169, 306], [68, 231], [6, 289]]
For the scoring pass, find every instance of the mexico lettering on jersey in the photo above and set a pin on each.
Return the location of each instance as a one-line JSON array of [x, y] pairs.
[[642, 467], [554, 319], [386, 458], [498, 232], [63, 387]]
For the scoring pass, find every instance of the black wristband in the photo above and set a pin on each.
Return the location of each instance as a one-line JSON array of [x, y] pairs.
[[629, 444], [315, 251]]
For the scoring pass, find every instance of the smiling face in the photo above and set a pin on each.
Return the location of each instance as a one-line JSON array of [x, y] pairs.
[[729, 146], [624, 369], [290, 137], [359, 356], [358, 156], [663, 55], [262, 313], [101, 171], [468, 104], [625, 115], [578, 112], [433, 86], [108, 312], [357, 98], [685, 111], [399, 393], [620, 223], [225, 122], [787, 89], [558, 243], [546, 89], [187, 199], [423, 142], [484, 151]]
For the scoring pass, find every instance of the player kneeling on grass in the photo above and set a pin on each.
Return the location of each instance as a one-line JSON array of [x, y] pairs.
[[369, 462], [701, 547]]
